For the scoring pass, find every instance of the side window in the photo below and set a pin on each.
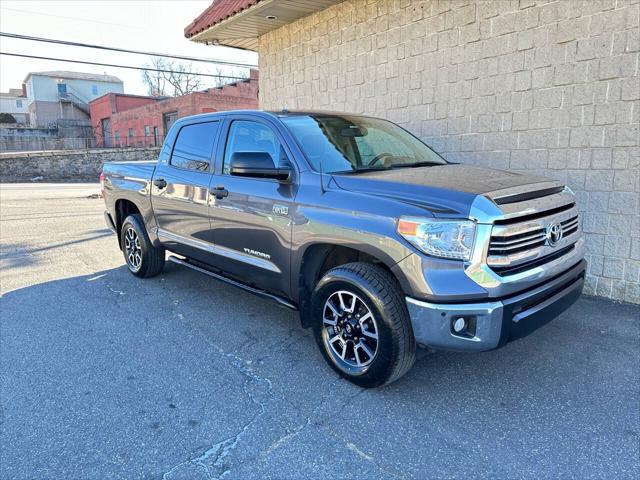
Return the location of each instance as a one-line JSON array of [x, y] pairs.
[[194, 146], [247, 136]]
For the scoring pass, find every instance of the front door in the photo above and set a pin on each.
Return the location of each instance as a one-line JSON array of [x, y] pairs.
[[106, 133], [252, 218], [180, 191]]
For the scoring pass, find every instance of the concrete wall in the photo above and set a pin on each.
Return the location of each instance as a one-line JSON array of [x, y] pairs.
[[47, 114], [74, 165], [550, 87], [68, 135]]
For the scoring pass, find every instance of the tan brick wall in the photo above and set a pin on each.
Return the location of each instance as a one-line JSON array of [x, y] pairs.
[[547, 87]]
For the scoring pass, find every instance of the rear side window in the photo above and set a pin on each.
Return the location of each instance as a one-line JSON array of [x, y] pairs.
[[194, 146]]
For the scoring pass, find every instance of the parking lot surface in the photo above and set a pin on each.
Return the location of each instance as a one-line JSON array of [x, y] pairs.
[[104, 375]]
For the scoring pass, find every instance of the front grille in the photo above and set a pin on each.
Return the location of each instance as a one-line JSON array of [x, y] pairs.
[[569, 226], [523, 267], [517, 243], [523, 243]]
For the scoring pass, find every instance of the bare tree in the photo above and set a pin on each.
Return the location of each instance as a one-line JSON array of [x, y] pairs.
[[175, 79]]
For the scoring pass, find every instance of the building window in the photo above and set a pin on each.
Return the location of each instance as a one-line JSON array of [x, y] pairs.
[[94, 89], [117, 136], [168, 119], [147, 130], [132, 132], [19, 103]]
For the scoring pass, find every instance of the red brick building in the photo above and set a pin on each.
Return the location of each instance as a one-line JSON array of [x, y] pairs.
[[132, 120]]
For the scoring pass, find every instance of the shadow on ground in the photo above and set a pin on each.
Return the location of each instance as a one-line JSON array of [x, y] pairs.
[[180, 376]]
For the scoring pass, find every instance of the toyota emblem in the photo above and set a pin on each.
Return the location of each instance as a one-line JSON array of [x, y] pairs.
[[554, 234]]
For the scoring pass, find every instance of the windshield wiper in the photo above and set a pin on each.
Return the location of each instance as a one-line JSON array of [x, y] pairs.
[[361, 170], [416, 164]]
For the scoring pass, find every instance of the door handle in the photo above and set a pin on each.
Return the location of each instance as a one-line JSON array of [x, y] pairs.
[[220, 192], [160, 183]]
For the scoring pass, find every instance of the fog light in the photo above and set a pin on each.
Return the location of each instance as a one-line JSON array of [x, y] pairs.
[[459, 325]]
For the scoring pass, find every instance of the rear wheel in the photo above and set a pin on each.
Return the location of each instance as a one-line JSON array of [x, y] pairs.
[[143, 259], [361, 324]]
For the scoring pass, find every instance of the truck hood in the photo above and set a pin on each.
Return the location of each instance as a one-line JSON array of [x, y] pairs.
[[446, 189]]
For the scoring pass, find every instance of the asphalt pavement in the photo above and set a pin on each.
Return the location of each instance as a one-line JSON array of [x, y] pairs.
[[104, 375]]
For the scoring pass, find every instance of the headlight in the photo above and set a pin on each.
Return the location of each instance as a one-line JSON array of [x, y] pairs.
[[440, 238]]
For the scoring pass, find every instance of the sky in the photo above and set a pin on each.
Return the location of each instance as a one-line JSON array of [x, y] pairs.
[[155, 26]]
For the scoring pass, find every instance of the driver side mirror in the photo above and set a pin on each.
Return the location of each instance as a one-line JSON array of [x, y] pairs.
[[258, 165]]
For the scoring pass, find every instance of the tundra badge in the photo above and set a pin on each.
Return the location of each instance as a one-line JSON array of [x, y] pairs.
[[257, 254]]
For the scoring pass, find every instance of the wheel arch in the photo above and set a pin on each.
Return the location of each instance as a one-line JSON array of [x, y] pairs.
[[319, 258], [123, 208]]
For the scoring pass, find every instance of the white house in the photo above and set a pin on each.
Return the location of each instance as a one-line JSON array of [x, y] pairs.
[[65, 95], [15, 103]]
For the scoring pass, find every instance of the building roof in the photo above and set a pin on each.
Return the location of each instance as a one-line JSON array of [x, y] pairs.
[[13, 92], [239, 23], [216, 12], [94, 77]]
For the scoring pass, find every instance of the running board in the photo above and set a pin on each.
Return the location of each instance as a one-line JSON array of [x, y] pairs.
[[222, 278]]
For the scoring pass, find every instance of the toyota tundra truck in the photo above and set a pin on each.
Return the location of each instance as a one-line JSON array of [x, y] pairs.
[[380, 243]]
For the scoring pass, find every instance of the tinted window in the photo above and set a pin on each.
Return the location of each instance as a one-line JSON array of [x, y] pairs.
[[245, 136], [339, 143], [193, 146]]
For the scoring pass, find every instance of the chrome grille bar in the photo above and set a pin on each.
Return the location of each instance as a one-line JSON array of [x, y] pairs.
[[522, 243]]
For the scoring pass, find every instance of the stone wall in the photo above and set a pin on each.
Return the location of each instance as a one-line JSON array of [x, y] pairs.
[[550, 87], [72, 165]]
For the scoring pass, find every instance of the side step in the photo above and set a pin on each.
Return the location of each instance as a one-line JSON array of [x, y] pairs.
[[222, 278]]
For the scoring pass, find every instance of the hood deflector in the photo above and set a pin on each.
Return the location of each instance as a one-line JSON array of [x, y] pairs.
[[524, 196]]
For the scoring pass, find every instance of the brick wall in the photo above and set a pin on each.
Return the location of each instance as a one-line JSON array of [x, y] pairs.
[[236, 96], [550, 87]]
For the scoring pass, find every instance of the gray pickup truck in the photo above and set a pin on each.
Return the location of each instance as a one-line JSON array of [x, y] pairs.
[[378, 242]]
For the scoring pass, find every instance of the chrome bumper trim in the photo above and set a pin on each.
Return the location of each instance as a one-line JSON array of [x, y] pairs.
[[432, 325], [498, 321]]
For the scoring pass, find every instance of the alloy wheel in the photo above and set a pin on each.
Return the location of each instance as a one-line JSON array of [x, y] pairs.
[[133, 249], [350, 332]]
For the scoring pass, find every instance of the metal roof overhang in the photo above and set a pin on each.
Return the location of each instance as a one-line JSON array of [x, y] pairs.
[[243, 29]]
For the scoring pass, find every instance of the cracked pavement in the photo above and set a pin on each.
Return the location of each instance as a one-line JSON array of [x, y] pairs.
[[103, 375]]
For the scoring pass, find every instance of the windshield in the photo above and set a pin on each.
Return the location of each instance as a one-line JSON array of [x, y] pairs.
[[342, 143]]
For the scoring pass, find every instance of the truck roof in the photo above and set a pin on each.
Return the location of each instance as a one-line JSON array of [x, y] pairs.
[[268, 113]]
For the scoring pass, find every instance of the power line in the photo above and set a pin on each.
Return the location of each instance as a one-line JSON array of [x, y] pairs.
[[131, 67], [71, 18], [125, 50]]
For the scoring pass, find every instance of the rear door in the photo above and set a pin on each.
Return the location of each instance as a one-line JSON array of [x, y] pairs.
[[180, 190], [252, 220]]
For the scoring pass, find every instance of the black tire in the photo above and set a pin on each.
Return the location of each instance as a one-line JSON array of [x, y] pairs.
[[379, 292], [151, 259]]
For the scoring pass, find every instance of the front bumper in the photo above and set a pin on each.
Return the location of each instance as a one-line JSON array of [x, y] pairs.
[[494, 323]]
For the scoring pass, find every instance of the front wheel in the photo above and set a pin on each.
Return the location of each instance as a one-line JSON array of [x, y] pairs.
[[143, 259], [362, 325]]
